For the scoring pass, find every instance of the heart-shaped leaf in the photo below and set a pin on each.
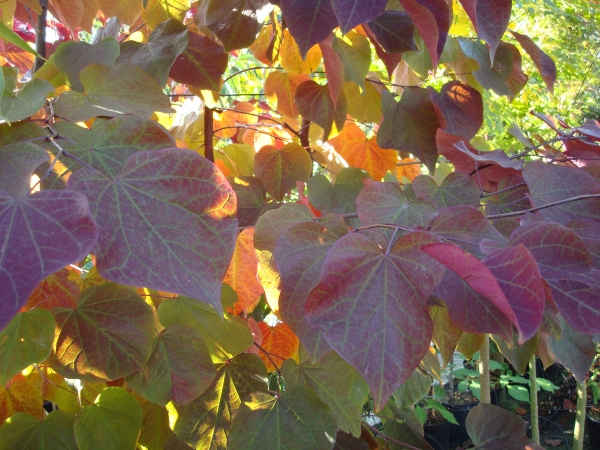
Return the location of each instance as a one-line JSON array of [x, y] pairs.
[[492, 19], [339, 197], [459, 108], [315, 104], [17, 163], [283, 85], [358, 278], [394, 30], [180, 368], [113, 421], [456, 189], [279, 342], [26, 102], [295, 420], [179, 223], [24, 431], [107, 316], [351, 13], [544, 64], [64, 215]]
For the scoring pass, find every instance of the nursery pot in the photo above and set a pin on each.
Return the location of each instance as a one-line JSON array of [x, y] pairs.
[[438, 435], [592, 425], [458, 433]]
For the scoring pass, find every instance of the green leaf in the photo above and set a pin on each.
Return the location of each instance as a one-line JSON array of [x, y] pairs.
[[22, 431], [333, 380], [518, 354], [206, 421], [26, 340], [355, 52], [180, 368], [546, 385], [281, 168], [442, 409], [17, 163], [224, 337], [413, 389], [405, 427], [71, 57], [114, 421], [10, 36], [295, 420], [518, 392], [26, 101], [493, 428], [107, 336], [339, 197], [110, 92]]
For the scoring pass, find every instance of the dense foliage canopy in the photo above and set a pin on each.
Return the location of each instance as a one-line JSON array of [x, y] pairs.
[[242, 223]]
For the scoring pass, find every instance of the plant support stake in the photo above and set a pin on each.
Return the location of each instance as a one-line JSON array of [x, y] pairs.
[[579, 430], [484, 371], [533, 398]]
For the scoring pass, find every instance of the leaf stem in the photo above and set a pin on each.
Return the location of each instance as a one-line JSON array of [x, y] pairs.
[[579, 430]]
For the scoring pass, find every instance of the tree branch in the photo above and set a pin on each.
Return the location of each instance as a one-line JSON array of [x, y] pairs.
[[549, 205]]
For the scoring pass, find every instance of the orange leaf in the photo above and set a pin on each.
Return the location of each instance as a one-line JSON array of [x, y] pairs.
[[55, 291], [291, 59], [282, 85], [245, 113], [262, 45], [20, 396], [367, 155], [225, 123], [280, 342], [410, 171], [350, 132], [69, 12], [241, 274]]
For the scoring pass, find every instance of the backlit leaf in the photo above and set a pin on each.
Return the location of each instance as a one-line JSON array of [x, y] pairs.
[[225, 337], [469, 344], [413, 389], [334, 381], [155, 426], [426, 23], [23, 431], [544, 64], [109, 92], [574, 350], [295, 420], [365, 106], [314, 103], [234, 22], [358, 278], [293, 62], [108, 316], [366, 154], [26, 102], [351, 13], [283, 85], [126, 10], [64, 215], [166, 42], [281, 168], [17, 163], [58, 290], [339, 197], [445, 333], [180, 368], [519, 354], [280, 342], [459, 108], [20, 396], [309, 21], [492, 19], [71, 57], [410, 125], [70, 13], [206, 421], [394, 30], [164, 190], [157, 11], [251, 199], [201, 64], [26, 340], [493, 428], [241, 274], [334, 67], [113, 421]]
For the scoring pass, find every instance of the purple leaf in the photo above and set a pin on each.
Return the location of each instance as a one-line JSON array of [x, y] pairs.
[[394, 30], [456, 189], [427, 25], [492, 19], [309, 21], [544, 64], [459, 108], [46, 231], [351, 13], [493, 428], [166, 222], [574, 350], [359, 280]]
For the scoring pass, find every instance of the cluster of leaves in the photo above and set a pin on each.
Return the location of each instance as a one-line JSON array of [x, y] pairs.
[[108, 206]]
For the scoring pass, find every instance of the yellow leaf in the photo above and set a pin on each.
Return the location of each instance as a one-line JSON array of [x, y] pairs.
[[158, 11], [282, 86], [410, 171], [68, 12], [126, 10], [20, 396], [291, 59]]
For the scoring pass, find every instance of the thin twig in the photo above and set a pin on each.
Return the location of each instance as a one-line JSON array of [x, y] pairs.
[[549, 205], [268, 355]]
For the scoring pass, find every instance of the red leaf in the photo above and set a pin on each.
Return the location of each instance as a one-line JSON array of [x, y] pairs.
[[55, 291], [469, 7], [46, 231], [583, 153], [394, 30], [170, 202], [201, 64], [315, 104], [590, 128], [334, 68], [427, 25], [309, 21], [359, 280], [351, 13], [492, 19], [459, 108], [545, 65], [390, 60], [488, 168]]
